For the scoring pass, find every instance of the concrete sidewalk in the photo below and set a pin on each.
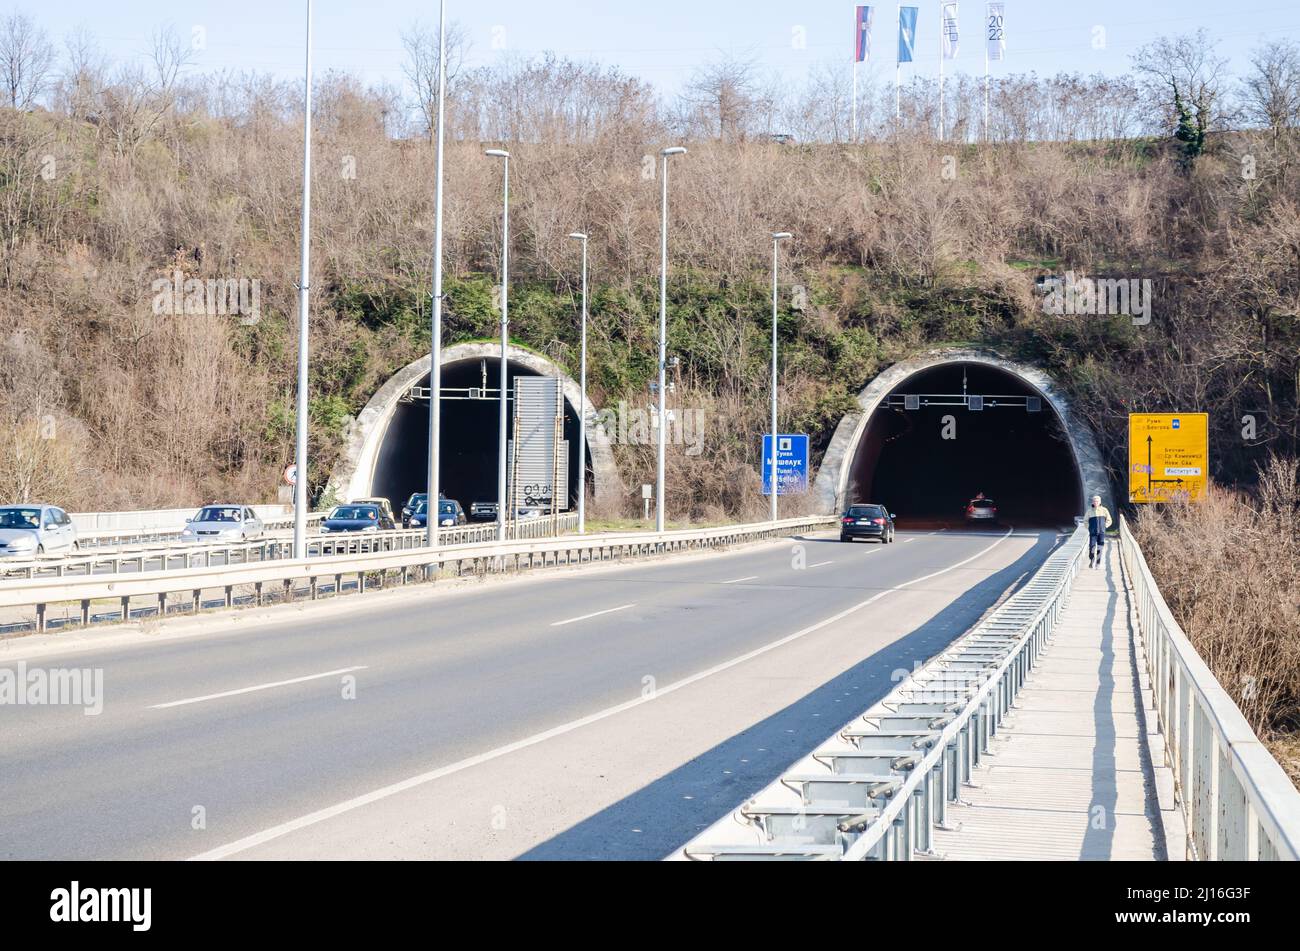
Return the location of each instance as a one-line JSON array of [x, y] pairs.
[[1077, 770]]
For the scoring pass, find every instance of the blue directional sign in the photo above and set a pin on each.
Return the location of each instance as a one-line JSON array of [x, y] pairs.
[[791, 465]]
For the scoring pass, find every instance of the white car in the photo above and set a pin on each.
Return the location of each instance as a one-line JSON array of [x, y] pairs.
[[28, 531], [223, 523]]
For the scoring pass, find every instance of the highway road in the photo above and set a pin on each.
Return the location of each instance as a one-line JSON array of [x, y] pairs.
[[600, 712]]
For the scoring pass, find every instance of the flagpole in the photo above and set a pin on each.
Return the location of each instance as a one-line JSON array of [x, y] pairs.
[[855, 97], [898, 73], [986, 86]]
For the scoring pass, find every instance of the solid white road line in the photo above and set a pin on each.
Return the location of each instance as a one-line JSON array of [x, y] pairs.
[[258, 688], [741, 580], [386, 792], [588, 617], [821, 565]]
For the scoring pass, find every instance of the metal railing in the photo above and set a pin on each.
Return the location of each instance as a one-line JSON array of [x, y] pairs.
[[1238, 802], [296, 577], [269, 548], [877, 789]]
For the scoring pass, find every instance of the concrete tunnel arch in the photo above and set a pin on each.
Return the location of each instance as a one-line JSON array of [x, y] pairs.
[[858, 445], [375, 441]]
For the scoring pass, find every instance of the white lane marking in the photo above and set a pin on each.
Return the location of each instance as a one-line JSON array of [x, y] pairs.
[[742, 580], [386, 792], [258, 688], [821, 565], [588, 617]]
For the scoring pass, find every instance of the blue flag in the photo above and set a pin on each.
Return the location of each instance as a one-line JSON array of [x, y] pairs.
[[906, 33]]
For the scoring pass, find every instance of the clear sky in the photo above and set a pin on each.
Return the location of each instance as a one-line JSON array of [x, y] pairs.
[[663, 41]]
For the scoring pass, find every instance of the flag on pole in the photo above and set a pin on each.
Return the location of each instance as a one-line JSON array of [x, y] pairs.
[[995, 31], [949, 29], [906, 33], [862, 39]]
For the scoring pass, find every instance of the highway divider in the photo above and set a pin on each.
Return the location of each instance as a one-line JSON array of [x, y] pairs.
[[878, 787], [288, 580], [272, 548], [1238, 801]]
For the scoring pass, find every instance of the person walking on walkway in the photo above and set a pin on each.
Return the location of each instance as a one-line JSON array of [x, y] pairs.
[[1099, 521]]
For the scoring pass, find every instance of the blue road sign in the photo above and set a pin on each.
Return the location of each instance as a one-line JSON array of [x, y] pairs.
[[791, 465]]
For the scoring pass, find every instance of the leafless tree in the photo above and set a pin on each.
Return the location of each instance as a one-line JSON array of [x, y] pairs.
[[1272, 92], [726, 100], [421, 66], [1186, 85], [26, 60]]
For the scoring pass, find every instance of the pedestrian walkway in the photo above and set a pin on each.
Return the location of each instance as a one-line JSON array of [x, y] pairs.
[[1071, 774]]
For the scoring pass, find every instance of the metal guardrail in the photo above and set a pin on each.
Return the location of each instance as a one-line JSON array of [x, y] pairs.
[[198, 554], [370, 570], [94, 540], [877, 789], [1238, 802]]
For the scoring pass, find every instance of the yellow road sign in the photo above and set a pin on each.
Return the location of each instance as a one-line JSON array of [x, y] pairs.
[[1169, 457]]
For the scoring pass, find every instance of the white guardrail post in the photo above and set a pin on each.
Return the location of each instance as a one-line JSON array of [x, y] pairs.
[[1238, 802], [369, 559]]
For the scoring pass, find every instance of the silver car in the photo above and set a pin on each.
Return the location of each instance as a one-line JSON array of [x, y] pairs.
[[27, 531], [223, 523]]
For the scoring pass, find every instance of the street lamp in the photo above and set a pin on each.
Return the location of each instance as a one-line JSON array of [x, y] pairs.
[[776, 270], [663, 344], [301, 483], [505, 340], [582, 413], [434, 508]]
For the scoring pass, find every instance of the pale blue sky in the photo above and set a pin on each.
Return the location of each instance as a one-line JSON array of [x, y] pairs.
[[662, 41]]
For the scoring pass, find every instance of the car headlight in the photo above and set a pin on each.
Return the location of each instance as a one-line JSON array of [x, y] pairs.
[[26, 543], [187, 533]]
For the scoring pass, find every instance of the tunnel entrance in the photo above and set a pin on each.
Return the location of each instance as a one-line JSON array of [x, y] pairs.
[[470, 444], [933, 445]]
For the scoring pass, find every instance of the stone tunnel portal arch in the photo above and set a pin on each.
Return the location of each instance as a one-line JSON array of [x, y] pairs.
[[927, 456], [388, 447]]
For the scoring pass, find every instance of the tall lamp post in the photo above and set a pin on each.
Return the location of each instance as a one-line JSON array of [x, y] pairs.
[[582, 413], [434, 508], [776, 271], [301, 484], [663, 346], [505, 341]]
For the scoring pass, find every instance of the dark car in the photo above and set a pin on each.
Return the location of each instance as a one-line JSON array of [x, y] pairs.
[[981, 510], [452, 515], [867, 521], [357, 518], [483, 511], [408, 510]]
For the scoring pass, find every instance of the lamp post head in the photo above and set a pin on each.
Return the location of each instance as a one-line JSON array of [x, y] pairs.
[[782, 236], [497, 153], [675, 150], [578, 236]]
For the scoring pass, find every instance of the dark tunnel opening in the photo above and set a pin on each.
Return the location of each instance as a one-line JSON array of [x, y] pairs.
[[469, 440], [1020, 459]]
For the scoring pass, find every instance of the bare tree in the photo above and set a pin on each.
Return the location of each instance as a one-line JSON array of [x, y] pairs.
[[725, 100], [421, 67], [26, 60], [1185, 80], [1272, 92], [83, 77]]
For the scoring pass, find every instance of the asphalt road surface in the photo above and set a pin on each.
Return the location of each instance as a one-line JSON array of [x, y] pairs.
[[603, 712]]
